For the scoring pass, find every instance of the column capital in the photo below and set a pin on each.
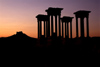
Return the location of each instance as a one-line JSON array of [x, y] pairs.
[[87, 16], [55, 15], [59, 15], [76, 16], [44, 21], [51, 15], [38, 20], [82, 17]]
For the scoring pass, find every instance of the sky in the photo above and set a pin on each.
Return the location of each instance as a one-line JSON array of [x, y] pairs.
[[20, 15]]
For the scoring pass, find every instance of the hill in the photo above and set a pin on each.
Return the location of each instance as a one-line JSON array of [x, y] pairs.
[[22, 47]]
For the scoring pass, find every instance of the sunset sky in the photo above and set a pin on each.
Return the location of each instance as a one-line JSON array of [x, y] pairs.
[[20, 15]]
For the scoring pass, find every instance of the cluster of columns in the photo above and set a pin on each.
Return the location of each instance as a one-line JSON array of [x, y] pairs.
[[56, 12], [82, 14], [67, 20], [45, 19]]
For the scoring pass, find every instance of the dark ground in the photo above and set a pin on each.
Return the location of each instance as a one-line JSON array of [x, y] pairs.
[[52, 52]]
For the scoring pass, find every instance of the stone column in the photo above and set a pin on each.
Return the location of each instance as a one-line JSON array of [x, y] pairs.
[[56, 24], [71, 29], [38, 29], [47, 29], [59, 27], [62, 30], [51, 25], [82, 26], [44, 29], [77, 27], [67, 29], [87, 27]]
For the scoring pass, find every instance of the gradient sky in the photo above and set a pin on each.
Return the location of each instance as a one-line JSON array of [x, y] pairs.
[[19, 15]]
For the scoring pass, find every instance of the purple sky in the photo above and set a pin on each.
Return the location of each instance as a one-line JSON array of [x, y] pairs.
[[19, 15]]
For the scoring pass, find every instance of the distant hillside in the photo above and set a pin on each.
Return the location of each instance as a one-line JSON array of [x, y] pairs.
[[20, 35], [17, 41]]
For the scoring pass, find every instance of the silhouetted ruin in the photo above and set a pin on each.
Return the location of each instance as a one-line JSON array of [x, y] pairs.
[[45, 19], [82, 14], [67, 20], [50, 46], [54, 12], [57, 12]]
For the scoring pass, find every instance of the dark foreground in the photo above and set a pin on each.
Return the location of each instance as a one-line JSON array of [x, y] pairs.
[[50, 52]]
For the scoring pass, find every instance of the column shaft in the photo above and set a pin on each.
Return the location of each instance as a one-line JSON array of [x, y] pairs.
[[59, 27], [40, 29], [44, 29], [48, 27], [51, 25], [76, 26], [62, 30], [67, 30], [82, 26], [56, 24], [71, 29], [87, 27]]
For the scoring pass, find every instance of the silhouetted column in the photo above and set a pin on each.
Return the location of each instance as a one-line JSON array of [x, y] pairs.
[[67, 30], [40, 29], [82, 27], [76, 26], [51, 25], [71, 29], [82, 14], [62, 30], [87, 27], [47, 29], [59, 27], [44, 29], [56, 24]]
